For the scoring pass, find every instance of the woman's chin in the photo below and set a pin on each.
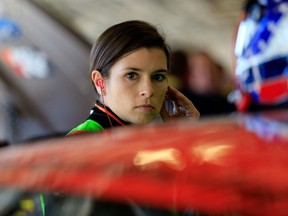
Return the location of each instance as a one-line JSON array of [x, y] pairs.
[[144, 121]]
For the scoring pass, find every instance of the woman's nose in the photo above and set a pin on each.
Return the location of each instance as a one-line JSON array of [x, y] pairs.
[[146, 88]]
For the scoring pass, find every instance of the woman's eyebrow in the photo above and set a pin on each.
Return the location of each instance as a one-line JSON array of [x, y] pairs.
[[132, 68], [138, 69], [162, 70]]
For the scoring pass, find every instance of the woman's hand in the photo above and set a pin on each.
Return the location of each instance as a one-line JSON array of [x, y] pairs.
[[181, 106]]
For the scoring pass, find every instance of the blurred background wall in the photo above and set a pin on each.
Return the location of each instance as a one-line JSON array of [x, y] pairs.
[[205, 24]]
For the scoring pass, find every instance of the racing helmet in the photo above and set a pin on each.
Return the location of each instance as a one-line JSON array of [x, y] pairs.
[[261, 50]]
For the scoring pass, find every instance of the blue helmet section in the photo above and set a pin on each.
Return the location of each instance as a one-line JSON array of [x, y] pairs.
[[262, 51]]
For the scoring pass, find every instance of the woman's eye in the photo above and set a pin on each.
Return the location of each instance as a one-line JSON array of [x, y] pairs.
[[132, 75], [159, 77]]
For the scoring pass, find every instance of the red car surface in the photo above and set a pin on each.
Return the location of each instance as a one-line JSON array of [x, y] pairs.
[[236, 165]]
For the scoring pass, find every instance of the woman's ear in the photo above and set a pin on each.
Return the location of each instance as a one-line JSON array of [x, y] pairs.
[[98, 81]]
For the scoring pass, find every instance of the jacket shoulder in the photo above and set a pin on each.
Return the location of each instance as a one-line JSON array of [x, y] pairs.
[[87, 126]]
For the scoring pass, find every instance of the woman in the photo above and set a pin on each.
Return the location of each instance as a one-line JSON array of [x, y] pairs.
[[129, 66]]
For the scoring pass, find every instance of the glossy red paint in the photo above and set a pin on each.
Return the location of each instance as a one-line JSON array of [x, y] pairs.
[[234, 164]]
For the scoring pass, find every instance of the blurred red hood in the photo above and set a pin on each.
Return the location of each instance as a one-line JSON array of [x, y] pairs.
[[215, 165]]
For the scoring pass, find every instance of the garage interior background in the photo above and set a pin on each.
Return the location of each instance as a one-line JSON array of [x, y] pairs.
[[63, 30]]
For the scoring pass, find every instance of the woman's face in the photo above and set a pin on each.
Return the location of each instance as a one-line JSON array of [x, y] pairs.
[[137, 85]]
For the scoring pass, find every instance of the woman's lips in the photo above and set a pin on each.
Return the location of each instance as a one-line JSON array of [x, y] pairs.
[[146, 107]]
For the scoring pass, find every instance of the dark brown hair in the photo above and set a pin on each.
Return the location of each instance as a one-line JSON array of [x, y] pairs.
[[123, 38]]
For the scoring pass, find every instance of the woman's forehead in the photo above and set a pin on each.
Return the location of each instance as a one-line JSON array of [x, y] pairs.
[[145, 57]]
